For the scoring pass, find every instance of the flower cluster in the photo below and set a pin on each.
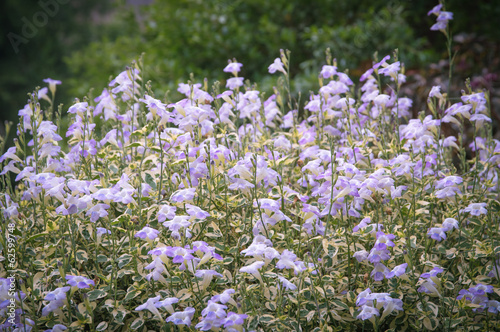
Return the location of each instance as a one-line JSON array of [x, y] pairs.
[[237, 209]]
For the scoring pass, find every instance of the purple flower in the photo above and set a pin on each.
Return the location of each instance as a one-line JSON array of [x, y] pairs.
[[368, 312], [437, 233], [253, 269], [234, 319], [390, 70], [379, 272], [151, 306], [277, 65], [167, 304], [51, 307], [57, 294], [287, 284], [52, 84], [79, 281], [166, 212], [184, 195], [436, 10], [196, 212], [328, 71], [234, 82], [224, 297], [397, 271], [207, 276], [233, 67], [361, 255], [448, 181], [176, 224], [447, 192], [147, 233], [481, 289], [377, 255], [449, 224], [56, 328], [432, 273], [102, 230], [384, 240], [476, 209]]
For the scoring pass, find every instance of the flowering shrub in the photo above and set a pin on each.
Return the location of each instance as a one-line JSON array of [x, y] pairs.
[[224, 211]]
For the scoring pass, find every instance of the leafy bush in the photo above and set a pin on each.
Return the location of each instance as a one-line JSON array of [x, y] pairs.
[[225, 210]]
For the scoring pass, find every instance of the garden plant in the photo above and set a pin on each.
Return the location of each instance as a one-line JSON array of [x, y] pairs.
[[230, 210]]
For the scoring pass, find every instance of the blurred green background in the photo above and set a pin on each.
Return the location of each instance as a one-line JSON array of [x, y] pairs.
[[85, 42]]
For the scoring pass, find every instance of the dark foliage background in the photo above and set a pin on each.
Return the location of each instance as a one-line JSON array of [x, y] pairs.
[[86, 42]]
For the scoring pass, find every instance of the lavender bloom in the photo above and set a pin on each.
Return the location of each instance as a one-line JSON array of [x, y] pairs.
[[398, 271], [196, 212], [286, 283], [379, 272], [166, 212], [448, 181], [147, 233], [277, 65], [51, 307], [167, 304], [233, 319], [212, 316], [449, 224], [184, 195], [79, 281], [328, 71], [384, 241], [361, 255], [233, 67], [437, 233], [234, 82], [225, 297], [368, 312], [436, 10], [158, 268], [478, 295], [176, 224], [377, 255], [447, 192], [52, 84], [253, 269], [151, 306], [57, 294], [56, 328]]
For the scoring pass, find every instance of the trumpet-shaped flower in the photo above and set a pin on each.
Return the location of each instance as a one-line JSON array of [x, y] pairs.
[[253, 269], [79, 281], [277, 65], [150, 305], [182, 317], [476, 209]]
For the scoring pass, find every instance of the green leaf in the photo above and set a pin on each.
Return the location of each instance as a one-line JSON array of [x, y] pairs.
[[131, 295], [119, 315], [150, 180], [133, 145], [266, 319], [81, 256], [123, 260], [138, 322], [102, 258], [96, 294]]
